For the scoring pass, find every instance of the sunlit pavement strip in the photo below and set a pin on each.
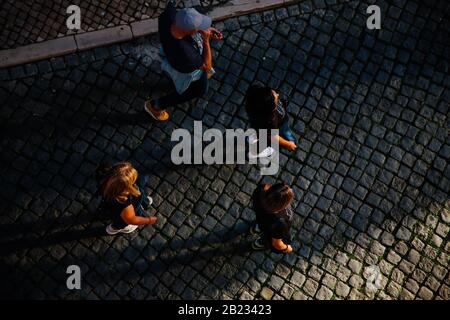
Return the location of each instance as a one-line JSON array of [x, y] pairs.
[[371, 175]]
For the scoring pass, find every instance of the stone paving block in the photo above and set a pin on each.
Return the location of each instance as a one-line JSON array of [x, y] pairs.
[[425, 293], [266, 293], [310, 287], [324, 293]]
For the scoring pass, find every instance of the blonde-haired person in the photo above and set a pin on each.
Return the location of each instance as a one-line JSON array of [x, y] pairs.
[[124, 197]]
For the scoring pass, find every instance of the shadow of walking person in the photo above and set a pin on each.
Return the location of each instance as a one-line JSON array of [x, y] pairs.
[[52, 239]]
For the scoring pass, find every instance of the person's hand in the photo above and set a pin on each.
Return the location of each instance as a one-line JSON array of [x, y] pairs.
[[288, 249], [206, 34], [216, 34], [152, 220], [291, 146]]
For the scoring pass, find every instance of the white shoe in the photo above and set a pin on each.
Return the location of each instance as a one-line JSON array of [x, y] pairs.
[[266, 153], [128, 229]]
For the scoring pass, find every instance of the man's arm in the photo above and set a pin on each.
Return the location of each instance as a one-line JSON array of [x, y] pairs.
[[207, 56]]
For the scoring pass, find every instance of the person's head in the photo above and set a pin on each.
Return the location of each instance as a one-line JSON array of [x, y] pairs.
[[189, 21], [261, 99], [277, 197], [116, 182]]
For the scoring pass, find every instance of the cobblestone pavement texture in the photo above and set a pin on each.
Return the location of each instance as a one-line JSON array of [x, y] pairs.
[[24, 22], [371, 174]]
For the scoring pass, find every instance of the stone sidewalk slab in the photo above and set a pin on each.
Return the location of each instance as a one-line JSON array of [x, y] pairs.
[[103, 37], [38, 51]]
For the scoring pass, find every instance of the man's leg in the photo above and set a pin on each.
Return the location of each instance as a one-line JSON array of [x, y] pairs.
[[196, 89]]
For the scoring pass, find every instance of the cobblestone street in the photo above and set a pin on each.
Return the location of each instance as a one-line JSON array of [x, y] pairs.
[[371, 175]]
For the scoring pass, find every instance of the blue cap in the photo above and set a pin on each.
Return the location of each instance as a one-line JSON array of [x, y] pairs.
[[191, 19]]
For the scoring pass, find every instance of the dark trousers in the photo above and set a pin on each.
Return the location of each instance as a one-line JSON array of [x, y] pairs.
[[197, 89]]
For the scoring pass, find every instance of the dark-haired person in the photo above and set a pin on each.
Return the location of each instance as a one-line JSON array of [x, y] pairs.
[[272, 205], [124, 197], [265, 110], [185, 36]]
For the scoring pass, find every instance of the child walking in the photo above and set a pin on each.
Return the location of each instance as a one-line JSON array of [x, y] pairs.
[[266, 110], [124, 197], [272, 205]]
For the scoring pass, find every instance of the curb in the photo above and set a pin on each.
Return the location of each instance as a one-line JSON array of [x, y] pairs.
[[89, 40]]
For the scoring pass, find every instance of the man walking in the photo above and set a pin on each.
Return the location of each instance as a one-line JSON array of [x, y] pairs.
[[185, 36]]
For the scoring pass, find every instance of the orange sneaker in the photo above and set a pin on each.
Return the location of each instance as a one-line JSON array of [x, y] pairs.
[[159, 115]]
